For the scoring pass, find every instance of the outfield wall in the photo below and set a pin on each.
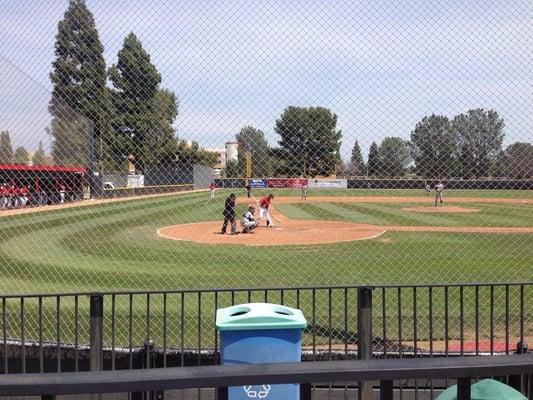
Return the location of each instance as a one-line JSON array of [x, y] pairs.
[[140, 191], [378, 183]]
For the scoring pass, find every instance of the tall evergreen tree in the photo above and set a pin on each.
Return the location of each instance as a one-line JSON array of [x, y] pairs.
[[357, 164], [39, 158], [79, 91], [6, 150], [143, 112], [21, 155], [373, 163]]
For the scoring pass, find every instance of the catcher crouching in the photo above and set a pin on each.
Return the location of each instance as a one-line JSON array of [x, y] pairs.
[[248, 221]]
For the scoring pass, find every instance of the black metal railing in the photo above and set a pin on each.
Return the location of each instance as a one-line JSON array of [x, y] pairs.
[[166, 328], [385, 371]]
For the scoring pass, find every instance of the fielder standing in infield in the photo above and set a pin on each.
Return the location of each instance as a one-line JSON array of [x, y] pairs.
[[439, 188]]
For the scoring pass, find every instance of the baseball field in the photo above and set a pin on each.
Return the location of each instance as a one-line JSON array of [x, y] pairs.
[[335, 237], [116, 244]]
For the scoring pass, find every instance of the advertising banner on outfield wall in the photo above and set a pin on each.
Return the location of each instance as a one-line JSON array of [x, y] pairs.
[[287, 182], [328, 183], [258, 183]]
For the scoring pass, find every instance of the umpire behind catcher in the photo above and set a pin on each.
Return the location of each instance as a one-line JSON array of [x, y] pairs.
[[229, 215]]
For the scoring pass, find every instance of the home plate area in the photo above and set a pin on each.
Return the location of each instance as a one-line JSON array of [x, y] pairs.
[[285, 232]]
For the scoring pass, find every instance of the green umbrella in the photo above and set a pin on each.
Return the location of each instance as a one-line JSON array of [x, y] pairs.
[[487, 389]]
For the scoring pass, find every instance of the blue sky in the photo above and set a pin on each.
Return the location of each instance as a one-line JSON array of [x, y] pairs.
[[379, 65]]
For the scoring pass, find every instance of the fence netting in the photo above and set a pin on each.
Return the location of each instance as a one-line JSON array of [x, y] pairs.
[[396, 140]]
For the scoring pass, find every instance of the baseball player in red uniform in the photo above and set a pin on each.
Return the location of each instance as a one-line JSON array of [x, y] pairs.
[[212, 190], [15, 190], [263, 209], [3, 195], [24, 193]]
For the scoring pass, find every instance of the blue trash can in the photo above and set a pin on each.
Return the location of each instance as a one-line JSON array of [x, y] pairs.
[[258, 333]]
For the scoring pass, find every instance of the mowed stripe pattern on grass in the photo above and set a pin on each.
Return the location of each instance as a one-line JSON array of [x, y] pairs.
[[115, 245], [490, 214]]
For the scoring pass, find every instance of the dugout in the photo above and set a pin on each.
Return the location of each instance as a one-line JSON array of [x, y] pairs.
[[45, 181]]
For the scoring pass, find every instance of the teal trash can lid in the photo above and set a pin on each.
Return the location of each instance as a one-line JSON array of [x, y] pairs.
[[255, 316]]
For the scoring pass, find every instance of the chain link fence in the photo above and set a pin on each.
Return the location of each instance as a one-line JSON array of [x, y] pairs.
[[396, 140]]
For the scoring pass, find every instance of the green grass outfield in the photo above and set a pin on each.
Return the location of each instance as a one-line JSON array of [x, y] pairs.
[[508, 194], [114, 246]]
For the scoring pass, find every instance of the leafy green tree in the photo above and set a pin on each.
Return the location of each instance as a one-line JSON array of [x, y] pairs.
[[311, 139], [231, 170], [519, 160], [434, 147], [278, 162], [190, 154], [143, 112], [161, 142], [6, 150], [253, 140], [79, 86], [357, 164], [480, 137], [39, 158], [394, 157], [374, 162], [21, 155]]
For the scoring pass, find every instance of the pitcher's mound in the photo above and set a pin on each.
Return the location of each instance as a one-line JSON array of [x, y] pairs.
[[441, 209], [288, 232]]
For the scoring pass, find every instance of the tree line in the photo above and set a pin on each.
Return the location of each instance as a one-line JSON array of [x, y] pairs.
[[129, 116], [20, 155], [469, 146]]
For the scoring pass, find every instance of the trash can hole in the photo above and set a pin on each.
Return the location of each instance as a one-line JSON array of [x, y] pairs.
[[240, 311], [283, 311]]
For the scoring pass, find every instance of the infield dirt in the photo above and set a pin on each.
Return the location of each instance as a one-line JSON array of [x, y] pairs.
[[292, 231]]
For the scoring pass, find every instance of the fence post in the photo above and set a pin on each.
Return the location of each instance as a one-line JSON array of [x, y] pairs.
[[305, 391], [149, 363], [519, 382], [221, 393], [386, 390], [96, 335], [364, 336], [463, 389]]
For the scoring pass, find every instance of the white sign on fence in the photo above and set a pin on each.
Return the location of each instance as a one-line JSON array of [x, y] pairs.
[[328, 183]]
